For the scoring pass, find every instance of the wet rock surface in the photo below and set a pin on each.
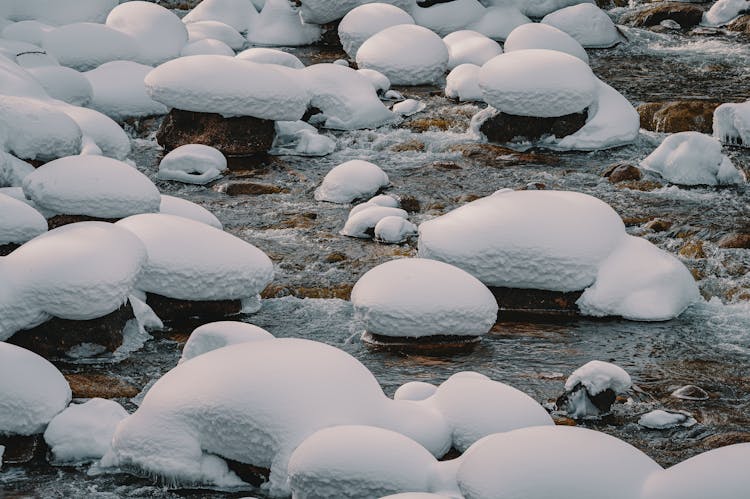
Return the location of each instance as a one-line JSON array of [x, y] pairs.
[[686, 15], [7, 249], [175, 310], [679, 116], [60, 220], [503, 128]]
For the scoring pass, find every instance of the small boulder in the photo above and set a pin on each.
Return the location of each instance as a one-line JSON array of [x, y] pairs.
[[678, 116], [741, 241], [503, 128], [622, 172]]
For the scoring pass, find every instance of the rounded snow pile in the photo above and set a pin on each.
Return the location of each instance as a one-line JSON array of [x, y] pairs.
[[541, 83], [192, 164], [470, 47], [207, 46], [171, 205], [19, 222], [540, 8], [189, 260], [447, 17], [61, 12], [732, 123], [693, 158], [414, 297], [239, 14], [366, 20], [85, 46], [325, 11], [587, 23], [544, 37], [463, 83], [32, 391], [498, 22], [266, 55], [355, 179], [365, 217], [119, 91], [228, 86], [93, 186], [216, 31], [214, 335], [406, 54], [279, 24], [394, 230], [65, 84]]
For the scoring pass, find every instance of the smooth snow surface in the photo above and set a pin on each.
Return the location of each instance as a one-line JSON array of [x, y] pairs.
[[239, 14], [26, 31], [265, 55], [65, 84], [12, 172], [189, 260], [299, 138], [544, 37], [171, 205], [732, 123], [325, 11], [280, 25], [207, 46], [19, 222], [538, 8], [85, 46], [470, 47], [414, 297], [693, 158], [192, 164], [60, 12], [366, 20], [362, 223], [379, 81], [214, 335], [415, 390], [498, 22], [91, 185], [32, 391], [110, 139], [119, 91], [597, 376], [462, 83], [407, 54], [83, 432], [394, 230], [444, 18], [587, 23], [355, 179]]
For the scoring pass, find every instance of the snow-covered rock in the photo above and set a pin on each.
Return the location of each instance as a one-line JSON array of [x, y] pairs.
[[379, 81], [32, 391], [462, 83], [228, 86], [355, 179], [664, 420], [364, 21], [325, 11], [724, 11], [171, 205], [597, 376], [91, 185], [280, 25], [414, 297], [214, 335], [394, 230], [62, 83], [12, 173], [192, 164], [31, 31], [19, 222], [266, 55], [379, 200], [470, 47], [498, 22], [347, 99], [159, 32], [639, 281], [119, 91], [444, 18], [692, 158], [732, 123], [85, 46], [544, 37], [362, 222], [98, 129], [587, 23], [407, 54], [408, 107], [82, 432], [553, 240], [60, 12], [189, 260], [539, 8], [206, 46], [215, 30], [299, 138], [415, 390], [239, 14]]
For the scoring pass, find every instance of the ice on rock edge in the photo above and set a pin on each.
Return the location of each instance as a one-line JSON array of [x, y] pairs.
[[355, 179], [192, 164], [364, 21], [214, 335], [414, 297], [171, 205], [19, 222]]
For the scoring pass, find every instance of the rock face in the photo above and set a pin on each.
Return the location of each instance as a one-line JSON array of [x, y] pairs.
[[536, 301], [173, 310], [237, 138], [685, 14], [56, 337], [678, 116], [438, 344], [503, 128]]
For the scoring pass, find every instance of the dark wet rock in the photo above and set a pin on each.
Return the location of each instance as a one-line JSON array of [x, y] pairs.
[[254, 475], [56, 337], [536, 301], [579, 403], [609, 4], [693, 249], [623, 172], [175, 311], [22, 449], [740, 25], [534, 186], [437, 344], [242, 139], [690, 392], [60, 220], [685, 14], [252, 189], [336, 257], [297, 221], [7, 249], [633, 221], [659, 225], [340, 291], [410, 204], [494, 155], [735, 241], [503, 128], [678, 116], [90, 385], [429, 3], [452, 453], [329, 37]]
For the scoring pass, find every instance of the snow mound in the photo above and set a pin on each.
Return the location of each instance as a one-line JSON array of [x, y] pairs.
[[239, 14], [32, 391], [60, 12], [228, 86], [444, 18], [587, 23], [394, 230], [414, 297], [85, 46], [470, 47], [12, 173], [91, 185], [407, 54], [215, 30], [511, 464], [552, 240], [544, 37], [280, 25], [364, 21], [265, 55], [65, 84], [462, 83], [639, 281], [362, 223], [214, 335], [379, 81], [355, 179], [408, 107], [723, 11], [541, 83], [192, 164], [207, 46], [299, 138], [119, 91], [498, 22], [82, 432], [189, 260], [693, 158], [99, 130], [540, 8], [19, 222], [717, 473], [379, 200], [732, 123], [663, 420], [171, 205], [415, 391], [325, 11], [597, 376], [159, 32], [26, 31], [346, 98], [14, 80], [358, 461]]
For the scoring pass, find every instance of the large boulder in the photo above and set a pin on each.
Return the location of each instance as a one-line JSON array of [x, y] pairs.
[[686, 15]]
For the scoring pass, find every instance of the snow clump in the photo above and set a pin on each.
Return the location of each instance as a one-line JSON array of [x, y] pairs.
[[206, 46], [732, 123], [364, 21], [299, 138], [723, 11], [587, 23], [217, 31], [171, 205], [592, 388], [19, 222], [119, 91], [544, 37], [85, 46], [279, 24], [266, 55], [214, 335], [470, 47], [362, 223], [462, 83], [394, 230], [239, 14], [498, 22], [355, 179], [192, 164]]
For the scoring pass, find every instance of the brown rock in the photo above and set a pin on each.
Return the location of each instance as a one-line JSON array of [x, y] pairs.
[[7, 249], [20, 449], [741, 24], [639, 185], [735, 241], [174, 310], [494, 155], [564, 421], [410, 204], [298, 221], [659, 225], [678, 116], [340, 291], [724, 439], [693, 249], [60, 220], [410, 145], [622, 172], [504, 128], [420, 125], [686, 15], [536, 301], [336, 257], [252, 189], [100, 385]]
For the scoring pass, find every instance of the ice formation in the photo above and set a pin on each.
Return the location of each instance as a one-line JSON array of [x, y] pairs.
[[19, 222], [171, 205], [355, 179], [470, 47], [192, 164], [544, 37], [214, 335], [732, 123], [587, 23], [364, 21]]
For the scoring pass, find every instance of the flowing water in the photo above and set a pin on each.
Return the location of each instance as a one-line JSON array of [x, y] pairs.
[[708, 346]]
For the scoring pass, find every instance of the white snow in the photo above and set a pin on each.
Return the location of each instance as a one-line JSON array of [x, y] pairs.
[[32, 391], [82, 432], [159, 32], [171, 205], [587, 23], [553, 240], [280, 25], [85, 46], [720, 473], [91, 185], [189, 260], [362, 223], [379, 200], [444, 18], [266, 55], [498, 22], [355, 179], [119, 91], [192, 164], [462, 83], [325, 11], [540, 462], [228, 86], [408, 107], [379, 81], [215, 30], [60, 12], [214, 335], [692, 158], [732, 123], [470, 47], [407, 54], [19, 222], [100, 129], [663, 420], [724, 11], [639, 281], [298, 138], [415, 390], [12, 172], [65, 84], [26, 31], [538, 8], [239, 14], [364, 21], [394, 230], [597, 376], [207, 46], [414, 297], [544, 37]]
